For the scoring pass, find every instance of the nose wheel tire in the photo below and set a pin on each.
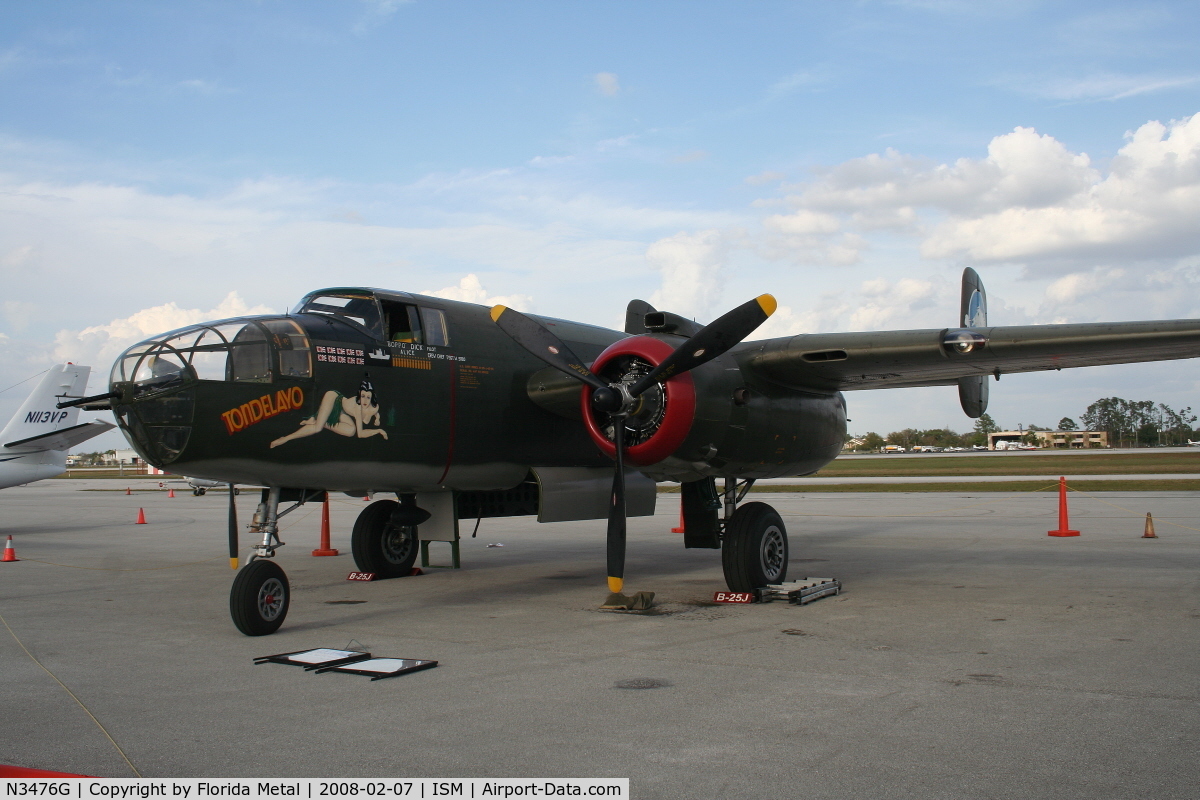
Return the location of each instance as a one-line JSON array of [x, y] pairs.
[[754, 551], [380, 546], [260, 597]]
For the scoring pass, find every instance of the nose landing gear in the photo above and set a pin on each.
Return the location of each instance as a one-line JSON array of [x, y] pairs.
[[261, 595], [259, 599]]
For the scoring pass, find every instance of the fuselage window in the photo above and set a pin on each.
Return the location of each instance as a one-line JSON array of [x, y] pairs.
[[211, 354], [295, 360], [250, 359], [435, 327]]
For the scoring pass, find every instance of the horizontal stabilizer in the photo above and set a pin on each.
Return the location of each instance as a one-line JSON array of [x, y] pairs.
[[63, 439]]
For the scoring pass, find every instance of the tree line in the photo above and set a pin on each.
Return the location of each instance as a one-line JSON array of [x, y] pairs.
[[1128, 423]]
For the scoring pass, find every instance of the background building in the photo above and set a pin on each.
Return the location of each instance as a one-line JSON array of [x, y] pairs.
[[1062, 440]]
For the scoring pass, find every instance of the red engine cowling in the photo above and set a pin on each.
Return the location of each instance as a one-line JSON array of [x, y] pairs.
[[663, 417]]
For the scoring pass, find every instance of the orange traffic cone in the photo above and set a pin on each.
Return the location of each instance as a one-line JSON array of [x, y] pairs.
[[170, 493], [324, 549], [127, 490], [680, 528], [141, 520], [1063, 526], [9, 553], [1149, 533]]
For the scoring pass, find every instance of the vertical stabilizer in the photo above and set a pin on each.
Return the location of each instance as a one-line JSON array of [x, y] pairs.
[[973, 304], [38, 414], [972, 313], [635, 316]]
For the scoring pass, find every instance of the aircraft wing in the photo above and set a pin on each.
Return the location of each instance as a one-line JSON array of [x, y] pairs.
[[894, 359], [63, 439]]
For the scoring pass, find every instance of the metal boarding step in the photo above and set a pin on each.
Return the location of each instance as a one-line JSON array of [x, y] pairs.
[[799, 592]]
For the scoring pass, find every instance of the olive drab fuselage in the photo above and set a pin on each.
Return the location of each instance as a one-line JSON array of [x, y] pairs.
[[367, 390]]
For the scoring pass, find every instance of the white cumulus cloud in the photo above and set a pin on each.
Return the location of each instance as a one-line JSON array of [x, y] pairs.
[[99, 345], [691, 265], [607, 84], [1030, 201], [470, 290]]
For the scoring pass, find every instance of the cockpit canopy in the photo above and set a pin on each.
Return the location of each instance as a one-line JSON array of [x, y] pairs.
[[240, 350], [392, 318]]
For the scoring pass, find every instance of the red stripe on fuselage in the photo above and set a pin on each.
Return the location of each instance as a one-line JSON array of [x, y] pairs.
[[453, 420]]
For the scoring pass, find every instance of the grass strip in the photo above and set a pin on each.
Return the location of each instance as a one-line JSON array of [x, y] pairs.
[[933, 465], [982, 486]]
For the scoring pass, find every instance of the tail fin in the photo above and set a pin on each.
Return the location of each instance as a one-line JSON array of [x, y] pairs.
[[973, 305], [38, 416], [972, 313]]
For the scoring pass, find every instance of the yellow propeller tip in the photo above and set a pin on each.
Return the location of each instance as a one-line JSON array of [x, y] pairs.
[[233, 563], [767, 303], [497, 311], [615, 584]]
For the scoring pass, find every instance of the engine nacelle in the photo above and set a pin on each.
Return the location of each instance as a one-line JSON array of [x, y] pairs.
[[663, 417], [715, 420]]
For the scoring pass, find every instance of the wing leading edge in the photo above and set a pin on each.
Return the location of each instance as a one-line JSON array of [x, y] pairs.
[[935, 357]]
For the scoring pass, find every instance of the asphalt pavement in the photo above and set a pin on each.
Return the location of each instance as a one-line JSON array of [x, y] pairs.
[[970, 655]]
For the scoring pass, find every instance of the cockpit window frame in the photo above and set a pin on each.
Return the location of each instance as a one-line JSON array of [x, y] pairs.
[[311, 305], [167, 346]]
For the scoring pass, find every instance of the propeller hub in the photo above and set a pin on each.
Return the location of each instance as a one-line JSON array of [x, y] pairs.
[[610, 399]]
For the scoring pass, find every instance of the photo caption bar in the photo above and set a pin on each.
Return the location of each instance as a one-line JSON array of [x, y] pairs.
[[318, 788]]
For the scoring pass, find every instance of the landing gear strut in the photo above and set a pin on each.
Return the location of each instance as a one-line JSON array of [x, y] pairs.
[[754, 545], [261, 595]]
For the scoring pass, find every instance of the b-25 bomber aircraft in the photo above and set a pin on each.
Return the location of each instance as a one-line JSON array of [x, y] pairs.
[[467, 412]]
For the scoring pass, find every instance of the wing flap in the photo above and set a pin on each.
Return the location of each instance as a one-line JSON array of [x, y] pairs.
[[895, 359]]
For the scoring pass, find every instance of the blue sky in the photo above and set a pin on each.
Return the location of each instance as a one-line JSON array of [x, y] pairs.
[[162, 163]]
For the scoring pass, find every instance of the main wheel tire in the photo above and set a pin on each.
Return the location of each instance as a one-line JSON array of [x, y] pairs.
[[260, 597], [198, 492], [754, 552], [381, 547]]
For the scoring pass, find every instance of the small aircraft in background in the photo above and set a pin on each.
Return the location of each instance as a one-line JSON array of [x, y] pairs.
[[200, 486], [465, 412], [35, 441], [1193, 444]]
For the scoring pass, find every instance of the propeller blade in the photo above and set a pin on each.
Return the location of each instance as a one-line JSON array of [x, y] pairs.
[[616, 513], [534, 337], [713, 340], [233, 530]]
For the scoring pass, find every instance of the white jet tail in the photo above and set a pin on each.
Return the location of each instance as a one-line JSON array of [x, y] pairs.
[[34, 443], [38, 415]]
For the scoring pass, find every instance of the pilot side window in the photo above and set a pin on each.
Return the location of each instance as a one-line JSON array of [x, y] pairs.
[[403, 323], [434, 322], [416, 325]]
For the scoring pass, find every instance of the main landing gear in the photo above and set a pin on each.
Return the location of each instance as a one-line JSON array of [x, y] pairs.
[[754, 545], [384, 542], [384, 539]]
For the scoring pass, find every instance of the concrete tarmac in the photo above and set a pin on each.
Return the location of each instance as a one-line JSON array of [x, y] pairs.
[[970, 656]]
